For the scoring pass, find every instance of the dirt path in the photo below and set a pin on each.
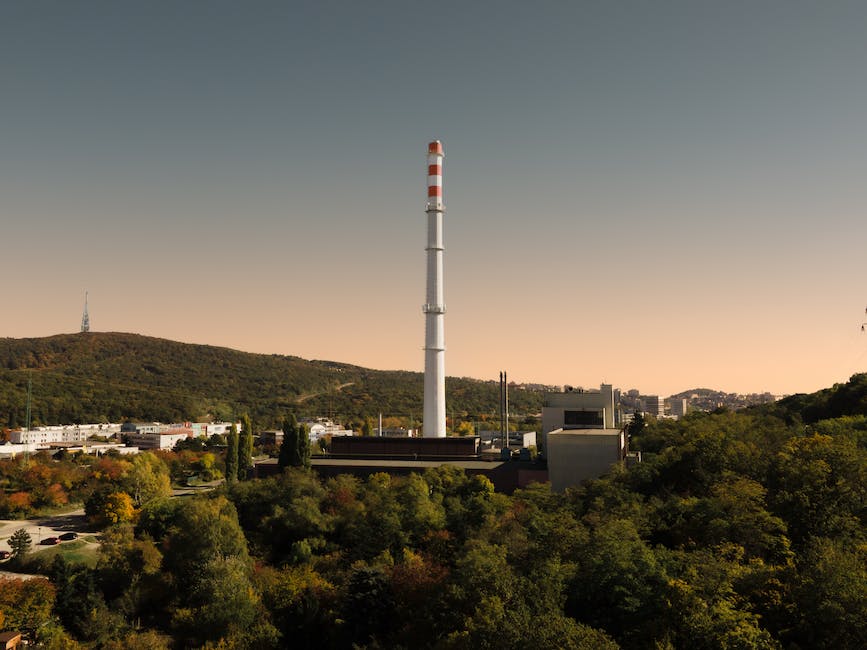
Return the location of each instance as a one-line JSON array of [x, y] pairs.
[[304, 398]]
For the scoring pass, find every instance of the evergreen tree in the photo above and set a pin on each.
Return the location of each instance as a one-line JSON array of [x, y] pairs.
[[289, 448], [303, 445], [232, 455], [20, 542], [245, 448]]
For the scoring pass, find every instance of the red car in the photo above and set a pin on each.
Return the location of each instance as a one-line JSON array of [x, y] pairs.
[[50, 541], [5, 555]]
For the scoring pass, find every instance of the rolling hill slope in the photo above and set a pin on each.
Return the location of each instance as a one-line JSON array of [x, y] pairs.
[[109, 376]]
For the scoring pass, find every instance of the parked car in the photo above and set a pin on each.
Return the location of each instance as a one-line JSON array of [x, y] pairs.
[[50, 541], [5, 555], [66, 537]]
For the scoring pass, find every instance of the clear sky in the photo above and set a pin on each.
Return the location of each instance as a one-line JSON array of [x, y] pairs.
[[659, 195]]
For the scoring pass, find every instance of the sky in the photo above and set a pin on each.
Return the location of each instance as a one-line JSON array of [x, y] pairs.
[[657, 195]]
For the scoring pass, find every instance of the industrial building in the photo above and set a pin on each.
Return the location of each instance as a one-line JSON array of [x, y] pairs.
[[577, 455], [577, 408], [363, 456], [582, 435]]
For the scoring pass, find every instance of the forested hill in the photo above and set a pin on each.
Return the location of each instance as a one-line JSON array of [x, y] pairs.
[[109, 376], [841, 400]]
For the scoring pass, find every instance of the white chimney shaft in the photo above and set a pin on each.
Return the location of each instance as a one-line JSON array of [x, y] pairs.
[[434, 308]]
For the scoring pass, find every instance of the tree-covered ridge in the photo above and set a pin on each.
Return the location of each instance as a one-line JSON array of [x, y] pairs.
[[849, 399], [109, 377]]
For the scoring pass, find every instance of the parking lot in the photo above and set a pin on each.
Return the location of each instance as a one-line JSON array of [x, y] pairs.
[[45, 528]]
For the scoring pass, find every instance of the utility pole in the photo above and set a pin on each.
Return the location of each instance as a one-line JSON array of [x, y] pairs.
[[27, 416]]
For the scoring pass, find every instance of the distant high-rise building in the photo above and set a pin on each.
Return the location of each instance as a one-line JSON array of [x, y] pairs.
[[654, 405], [679, 406]]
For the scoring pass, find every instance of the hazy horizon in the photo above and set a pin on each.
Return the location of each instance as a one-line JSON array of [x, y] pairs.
[[659, 196]]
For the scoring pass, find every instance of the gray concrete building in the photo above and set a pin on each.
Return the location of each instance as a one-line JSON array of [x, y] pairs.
[[578, 408], [577, 455]]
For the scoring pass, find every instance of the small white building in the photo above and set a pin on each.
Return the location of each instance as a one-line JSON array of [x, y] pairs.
[[11, 449], [321, 427], [161, 440]]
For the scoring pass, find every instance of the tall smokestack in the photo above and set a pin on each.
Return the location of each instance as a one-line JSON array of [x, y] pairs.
[[434, 308]]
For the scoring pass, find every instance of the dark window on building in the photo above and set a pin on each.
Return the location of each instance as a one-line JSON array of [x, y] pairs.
[[582, 418]]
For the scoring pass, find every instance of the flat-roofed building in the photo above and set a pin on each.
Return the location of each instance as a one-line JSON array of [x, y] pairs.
[[11, 449], [654, 405], [679, 406], [576, 455], [162, 440], [62, 433], [578, 409]]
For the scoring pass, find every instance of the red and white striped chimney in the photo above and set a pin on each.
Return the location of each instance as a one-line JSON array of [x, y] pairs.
[[434, 307], [435, 175]]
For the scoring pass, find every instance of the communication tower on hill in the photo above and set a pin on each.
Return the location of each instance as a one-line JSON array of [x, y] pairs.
[[85, 318]]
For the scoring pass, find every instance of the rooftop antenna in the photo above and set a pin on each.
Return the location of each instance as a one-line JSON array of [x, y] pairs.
[[85, 318]]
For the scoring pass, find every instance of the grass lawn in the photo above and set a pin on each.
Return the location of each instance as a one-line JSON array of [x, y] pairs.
[[78, 551]]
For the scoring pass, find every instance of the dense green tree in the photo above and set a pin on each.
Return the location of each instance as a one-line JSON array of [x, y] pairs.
[[289, 447], [367, 607], [295, 448], [701, 606], [206, 554], [819, 487], [221, 605], [147, 479], [303, 445], [202, 529], [80, 604], [617, 584], [232, 454], [245, 448], [25, 605], [20, 542], [831, 596], [157, 518], [301, 603]]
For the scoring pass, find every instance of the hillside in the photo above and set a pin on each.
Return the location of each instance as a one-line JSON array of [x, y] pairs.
[[110, 376], [840, 400]]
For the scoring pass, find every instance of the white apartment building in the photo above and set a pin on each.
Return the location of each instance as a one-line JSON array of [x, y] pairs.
[[62, 433]]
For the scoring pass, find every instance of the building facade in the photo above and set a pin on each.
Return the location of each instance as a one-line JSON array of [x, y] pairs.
[[578, 409]]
